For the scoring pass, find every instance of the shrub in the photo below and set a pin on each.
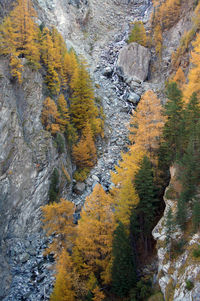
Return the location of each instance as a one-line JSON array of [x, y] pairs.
[[54, 186], [177, 247], [81, 174], [60, 143], [156, 297], [138, 34], [196, 252], [189, 285]]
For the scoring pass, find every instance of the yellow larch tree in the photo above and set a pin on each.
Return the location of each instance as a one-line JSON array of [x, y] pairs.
[[64, 118], [58, 220], [94, 236], [60, 50], [146, 124], [158, 39], [145, 131], [70, 68], [179, 77], [194, 73], [48, 54], [124, 193], [84, 153], [50, 116], [98, 294], [83, 109], [63, 288], [19, 37]]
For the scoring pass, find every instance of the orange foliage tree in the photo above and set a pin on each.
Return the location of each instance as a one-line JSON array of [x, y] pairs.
[[179, 77], [63, 288], [92, 253], [194, 73], [84, 153], [58, 220], [50, 116], [83, 109], [124, 193], [48, 55], [19, 37], [64, 118], [147, 123]]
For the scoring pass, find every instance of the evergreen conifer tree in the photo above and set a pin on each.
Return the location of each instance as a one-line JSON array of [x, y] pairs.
[[146, 208], [123, 268], [196, 214], [173, 130], [181, 213], [169, 225]]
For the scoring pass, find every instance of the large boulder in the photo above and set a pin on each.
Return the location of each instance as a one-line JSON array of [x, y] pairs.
[[134, 61]]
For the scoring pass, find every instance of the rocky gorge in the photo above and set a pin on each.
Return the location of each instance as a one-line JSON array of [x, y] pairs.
[[98, 30]]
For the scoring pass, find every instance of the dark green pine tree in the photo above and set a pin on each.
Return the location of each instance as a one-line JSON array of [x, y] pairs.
[[148, 201], [191, 116], [169, 225], [123, 268], [54, 186], [190, 170], [196, 215], [174, 128], [181, 213], [190, 174]]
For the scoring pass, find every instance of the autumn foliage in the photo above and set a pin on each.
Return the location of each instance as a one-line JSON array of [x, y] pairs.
[[194, 73], [19, 37], [146, 124], [58, 220], [50, 116]]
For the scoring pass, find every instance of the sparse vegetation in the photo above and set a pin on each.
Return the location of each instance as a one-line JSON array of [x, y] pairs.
[[189, 285]]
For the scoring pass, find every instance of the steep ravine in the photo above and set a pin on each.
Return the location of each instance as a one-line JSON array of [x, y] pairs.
[[98, 30], [28, 155]]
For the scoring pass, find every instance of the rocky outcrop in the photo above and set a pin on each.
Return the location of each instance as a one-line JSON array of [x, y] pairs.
[[27, 160], [134, 61], [176, 264]]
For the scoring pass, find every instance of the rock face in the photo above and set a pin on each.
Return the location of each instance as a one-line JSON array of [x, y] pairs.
[[27, 160], [174, 272], [134, 61]]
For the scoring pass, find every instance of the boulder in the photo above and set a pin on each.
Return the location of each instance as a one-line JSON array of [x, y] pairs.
[[95, 178], [134, 98], [79, 187], [134, 61], [107, 71]]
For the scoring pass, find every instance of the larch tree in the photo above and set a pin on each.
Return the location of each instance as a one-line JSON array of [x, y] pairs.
[[50, 116], [64, 118], [19, 37], [63, 287], [147, 123], [98, 294], [179, 78], [124, 193], [194, 73], [60, 50], [94, 239], [48, 54], [58, 220], [84, 153], [70, 68], [83, 109]]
